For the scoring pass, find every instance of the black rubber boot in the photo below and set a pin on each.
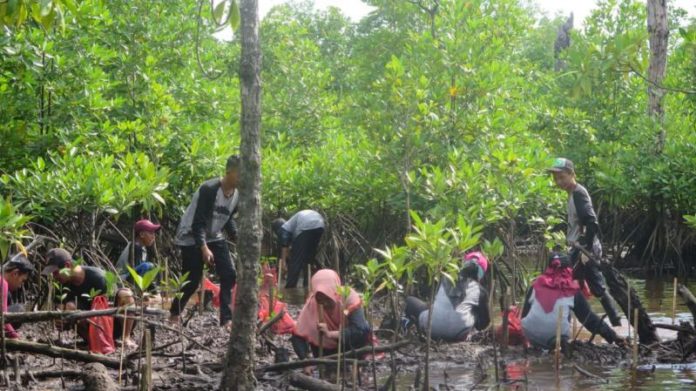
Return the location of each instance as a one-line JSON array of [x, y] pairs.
[[609, 334], [610, 308]]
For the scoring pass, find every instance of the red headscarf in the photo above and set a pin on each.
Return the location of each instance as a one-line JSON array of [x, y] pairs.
[[327, 282], [557, 282]]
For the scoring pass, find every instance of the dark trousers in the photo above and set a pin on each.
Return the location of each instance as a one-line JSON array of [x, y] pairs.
[[192, 262], [588, 272], [414, 307], [302, 253]]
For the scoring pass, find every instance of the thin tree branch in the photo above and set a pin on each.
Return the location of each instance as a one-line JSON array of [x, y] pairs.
[[662, 87], [211, 76]]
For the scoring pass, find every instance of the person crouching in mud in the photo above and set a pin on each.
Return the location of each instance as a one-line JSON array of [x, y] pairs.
[[319, 322], [553, 291], [458, 308]]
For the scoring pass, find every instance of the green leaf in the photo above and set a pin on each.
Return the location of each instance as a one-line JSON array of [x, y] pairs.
[[158, 197], [219, 12], [65, 272], [70, 5], [149, 277], [235, 17], [12, 7], [46, 7], [136, 277]]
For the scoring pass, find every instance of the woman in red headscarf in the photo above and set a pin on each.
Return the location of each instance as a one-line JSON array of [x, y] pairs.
[[553, 291], [320, 319]]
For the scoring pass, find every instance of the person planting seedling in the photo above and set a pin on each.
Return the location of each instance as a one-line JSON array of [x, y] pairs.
[[583, 230], [201, 238], [326, 309], [458, 308], [299, 239], [82, 285], [553, 292], [15, 274]]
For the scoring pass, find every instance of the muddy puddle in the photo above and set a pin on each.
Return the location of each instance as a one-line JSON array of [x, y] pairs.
[[536, 371], [461, 366]]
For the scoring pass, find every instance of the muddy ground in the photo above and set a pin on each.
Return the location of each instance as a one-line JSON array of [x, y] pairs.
[[203, 364]]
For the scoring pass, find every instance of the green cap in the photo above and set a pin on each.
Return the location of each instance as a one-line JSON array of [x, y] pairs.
[[562, 164]]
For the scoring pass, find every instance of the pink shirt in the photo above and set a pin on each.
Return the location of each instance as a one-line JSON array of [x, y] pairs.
[[9, 330]]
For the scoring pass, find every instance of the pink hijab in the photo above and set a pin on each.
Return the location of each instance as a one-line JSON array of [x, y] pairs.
[[557, 282], [327, 282]]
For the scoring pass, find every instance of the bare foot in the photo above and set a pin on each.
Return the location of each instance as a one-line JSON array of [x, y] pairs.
[[309, 371], [130, 344], [174, 320], [228, 326]]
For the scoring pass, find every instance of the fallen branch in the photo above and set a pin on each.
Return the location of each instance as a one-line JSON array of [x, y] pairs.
[[626, 297], [673, 327], [589, 374], [284, 366], [155, 349], [29, 375], [271, 322], [54, 351], [166, 327], [38, 239], [43, 316], [688, 298], [309, 383], [332, 359], [377, 349]]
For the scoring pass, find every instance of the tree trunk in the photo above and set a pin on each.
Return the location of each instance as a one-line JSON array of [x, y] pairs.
[[240, 360], [562, 42], [658, 31]]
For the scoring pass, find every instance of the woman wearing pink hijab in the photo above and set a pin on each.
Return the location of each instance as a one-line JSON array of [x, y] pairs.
[[315, 326], [553, 291]]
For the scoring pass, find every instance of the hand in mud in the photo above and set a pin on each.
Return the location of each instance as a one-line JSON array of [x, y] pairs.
[[62, 325], [59, 324], [623, 342]]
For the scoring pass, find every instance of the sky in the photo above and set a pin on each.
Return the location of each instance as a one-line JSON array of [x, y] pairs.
[[356, 9]]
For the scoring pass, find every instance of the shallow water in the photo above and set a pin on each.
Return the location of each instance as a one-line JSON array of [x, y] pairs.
[[538, 373]]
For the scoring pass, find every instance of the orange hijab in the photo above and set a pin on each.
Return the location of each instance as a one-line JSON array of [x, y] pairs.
[[327, 282]]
